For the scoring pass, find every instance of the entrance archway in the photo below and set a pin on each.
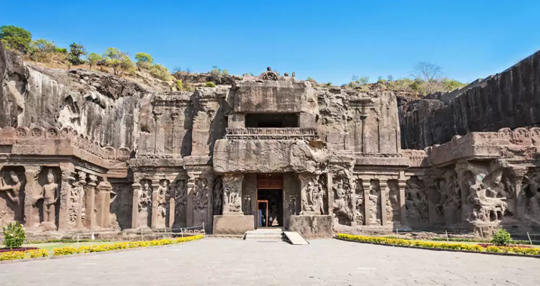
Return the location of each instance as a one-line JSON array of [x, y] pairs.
[[269, 212]]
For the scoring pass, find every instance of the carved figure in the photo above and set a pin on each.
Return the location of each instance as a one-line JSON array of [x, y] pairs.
[[162, 198], [51, 194], [12, 192], [145, 199], [200, 193]]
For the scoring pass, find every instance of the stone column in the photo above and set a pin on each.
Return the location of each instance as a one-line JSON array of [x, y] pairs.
[[82, 182], [366, 186], [90, 202], [330, 193], [135, 207], [32, 194], [519, 175], [172, 206], [189, 201], [402, 208], [232, 194], [68, 178], [104, 203], [155, 203], [383, 186]]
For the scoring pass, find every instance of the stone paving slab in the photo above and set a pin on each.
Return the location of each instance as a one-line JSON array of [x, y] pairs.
[[237, 262]]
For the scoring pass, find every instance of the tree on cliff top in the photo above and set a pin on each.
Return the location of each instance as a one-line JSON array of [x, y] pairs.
[[144, 60], [76, 50], [429, 73], [16, 38], [93, 59], [119, 61]]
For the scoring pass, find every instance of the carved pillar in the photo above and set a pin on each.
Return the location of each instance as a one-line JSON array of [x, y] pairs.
[[68, 179], [519, 174], [82, 182], [104, 203], [232, 194], [383, 186], [174, 148], [402, 209], [189, 202], [90, 202], [366, 186], [158, 142], [32, 194], [172, 206], [135, 207], [330, 193], [155, 203]]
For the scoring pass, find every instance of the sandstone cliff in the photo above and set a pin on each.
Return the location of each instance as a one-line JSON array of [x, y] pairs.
[[509, 99], [97, 105]]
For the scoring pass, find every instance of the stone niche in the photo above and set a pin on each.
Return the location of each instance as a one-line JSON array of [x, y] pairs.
[[12, 183]]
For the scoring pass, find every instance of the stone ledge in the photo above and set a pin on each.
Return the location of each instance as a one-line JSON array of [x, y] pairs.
[[233, 224]]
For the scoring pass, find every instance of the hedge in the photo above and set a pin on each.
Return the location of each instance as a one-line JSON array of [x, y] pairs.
[[12, 255], [440, 245]]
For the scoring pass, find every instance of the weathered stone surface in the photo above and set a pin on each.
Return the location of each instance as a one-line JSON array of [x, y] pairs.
[[509, 99], [312, 226], [237, 224]]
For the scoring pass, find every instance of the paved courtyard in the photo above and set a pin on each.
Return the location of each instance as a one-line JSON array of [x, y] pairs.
[[215, 261]]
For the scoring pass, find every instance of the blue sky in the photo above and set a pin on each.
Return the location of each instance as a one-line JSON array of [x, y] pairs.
[[327, 40]]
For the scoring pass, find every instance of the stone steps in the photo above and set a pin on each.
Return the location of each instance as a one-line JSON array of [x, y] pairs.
[[265, 235]]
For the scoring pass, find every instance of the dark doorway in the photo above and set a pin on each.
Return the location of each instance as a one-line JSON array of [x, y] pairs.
[[269, 208]]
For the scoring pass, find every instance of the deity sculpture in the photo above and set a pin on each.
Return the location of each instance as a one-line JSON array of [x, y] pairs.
[[145, 199], [50, 195], [162, 198], [15, 188], [201, 194]]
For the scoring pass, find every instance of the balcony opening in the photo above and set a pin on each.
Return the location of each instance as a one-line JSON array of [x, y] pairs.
[[280, 120]]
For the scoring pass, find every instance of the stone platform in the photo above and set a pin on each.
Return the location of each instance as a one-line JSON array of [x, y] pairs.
[[233, 224]]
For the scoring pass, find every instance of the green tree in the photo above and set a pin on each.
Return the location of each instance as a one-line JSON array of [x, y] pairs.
[[144, 61], [93, 59], [76, 50], [119, 61], [16, 38], [161, 72], [42, 50]]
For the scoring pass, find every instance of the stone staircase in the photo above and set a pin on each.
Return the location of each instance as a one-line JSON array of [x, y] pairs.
[[275, 235], [265, 235]]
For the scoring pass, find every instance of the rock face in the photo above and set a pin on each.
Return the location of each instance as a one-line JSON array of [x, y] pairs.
[[509, 99], [84, 151], [100, 106]]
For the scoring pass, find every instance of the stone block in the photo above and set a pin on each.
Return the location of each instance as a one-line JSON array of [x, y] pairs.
[[312, 226], [233, 224]]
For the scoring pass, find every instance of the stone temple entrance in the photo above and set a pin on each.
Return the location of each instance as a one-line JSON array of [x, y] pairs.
[[269, 211], [269, 208]]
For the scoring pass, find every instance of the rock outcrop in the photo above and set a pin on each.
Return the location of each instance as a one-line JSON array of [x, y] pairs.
[[509, 99]]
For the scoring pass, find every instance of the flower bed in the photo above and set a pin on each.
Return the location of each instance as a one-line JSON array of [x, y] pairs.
[[17, 249], [12, 255], [440, 245]]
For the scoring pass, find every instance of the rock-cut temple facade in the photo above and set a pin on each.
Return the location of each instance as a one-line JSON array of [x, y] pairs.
[[85, 152]]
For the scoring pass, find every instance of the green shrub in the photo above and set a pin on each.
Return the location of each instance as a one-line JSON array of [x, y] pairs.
[[210, 84], [160, 72], [179, 85], [14, 235], [502, 237]]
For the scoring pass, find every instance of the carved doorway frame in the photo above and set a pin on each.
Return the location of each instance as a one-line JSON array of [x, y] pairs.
[[270, 181]]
